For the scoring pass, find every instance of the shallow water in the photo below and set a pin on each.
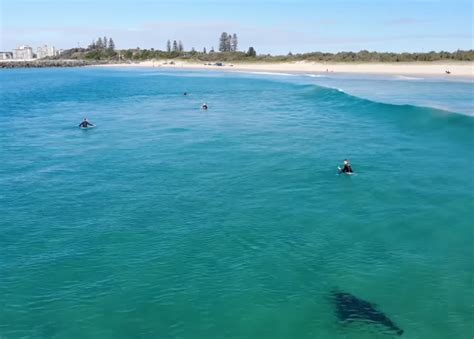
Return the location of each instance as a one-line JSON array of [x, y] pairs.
[[171, 222]]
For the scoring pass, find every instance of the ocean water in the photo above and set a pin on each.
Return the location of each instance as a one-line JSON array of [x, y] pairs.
[[166, 221]]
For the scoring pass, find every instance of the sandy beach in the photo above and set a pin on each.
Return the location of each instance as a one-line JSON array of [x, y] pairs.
[[456, 69]]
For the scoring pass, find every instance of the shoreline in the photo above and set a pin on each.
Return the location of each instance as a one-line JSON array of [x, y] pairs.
[[457, 69]]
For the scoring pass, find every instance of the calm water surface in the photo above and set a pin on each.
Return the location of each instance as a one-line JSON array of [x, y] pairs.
[[166, 221]]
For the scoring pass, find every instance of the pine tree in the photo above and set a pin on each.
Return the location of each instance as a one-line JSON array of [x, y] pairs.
[[204, 50], [251, 52], [168, 46], [105, 42], [227, 43], [175, 46], [99, 43], [212, 50], [223, 42], [111, 44], [180, 46], [234, 43]]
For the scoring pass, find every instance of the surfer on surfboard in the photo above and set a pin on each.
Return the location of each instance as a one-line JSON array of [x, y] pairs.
[[86, 124], [346, 168]]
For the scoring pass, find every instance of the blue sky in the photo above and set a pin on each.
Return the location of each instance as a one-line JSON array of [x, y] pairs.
[[271, 26]]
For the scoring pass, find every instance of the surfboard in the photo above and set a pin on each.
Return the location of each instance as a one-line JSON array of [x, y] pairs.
[[341, 172]]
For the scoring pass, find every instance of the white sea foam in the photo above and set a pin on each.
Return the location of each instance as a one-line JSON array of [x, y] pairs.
[[316, 75], [267, 73], [404, 77]]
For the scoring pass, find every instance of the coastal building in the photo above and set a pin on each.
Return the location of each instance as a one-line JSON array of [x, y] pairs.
[[45, 51], [6, 55], [23, 53]]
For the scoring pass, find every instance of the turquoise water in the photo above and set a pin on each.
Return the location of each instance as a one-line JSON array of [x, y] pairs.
[[166, 221]]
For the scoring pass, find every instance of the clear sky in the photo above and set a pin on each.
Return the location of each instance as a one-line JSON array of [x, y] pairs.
[[271, 26]]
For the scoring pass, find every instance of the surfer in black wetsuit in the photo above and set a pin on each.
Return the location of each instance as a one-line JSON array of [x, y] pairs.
[[85, 124], [204, 106], [347, 167]]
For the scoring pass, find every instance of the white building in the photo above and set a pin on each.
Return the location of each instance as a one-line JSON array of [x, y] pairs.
[[6, 55], [45, 51], [23, 53]]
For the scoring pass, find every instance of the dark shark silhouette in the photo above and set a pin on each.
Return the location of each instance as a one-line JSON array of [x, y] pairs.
[[350, 308]]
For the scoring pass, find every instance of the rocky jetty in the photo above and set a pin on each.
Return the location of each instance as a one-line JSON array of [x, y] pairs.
[[48, 63]]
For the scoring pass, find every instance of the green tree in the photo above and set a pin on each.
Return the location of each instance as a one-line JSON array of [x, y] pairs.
[[234, 43], [105, 42], [180, 46], [128, 54], [223, 42], [175, 46], [228, 47], [111, 44], [251, 52], [204, 50], [168, 46]]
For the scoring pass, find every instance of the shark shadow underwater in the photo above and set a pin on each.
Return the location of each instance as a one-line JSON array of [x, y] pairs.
[[349, 309]]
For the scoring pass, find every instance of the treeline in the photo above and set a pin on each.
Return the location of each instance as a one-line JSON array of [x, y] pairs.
[[147, 54], [104, 49], [251, 55], [228, 51], [177, 47], [228, 43], [139, 54], [101, 49], [366, 56], [102, 43]]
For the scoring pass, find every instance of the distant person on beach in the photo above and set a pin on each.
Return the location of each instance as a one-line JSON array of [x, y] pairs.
[[347, 167], [85, 124], [204, 106]]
